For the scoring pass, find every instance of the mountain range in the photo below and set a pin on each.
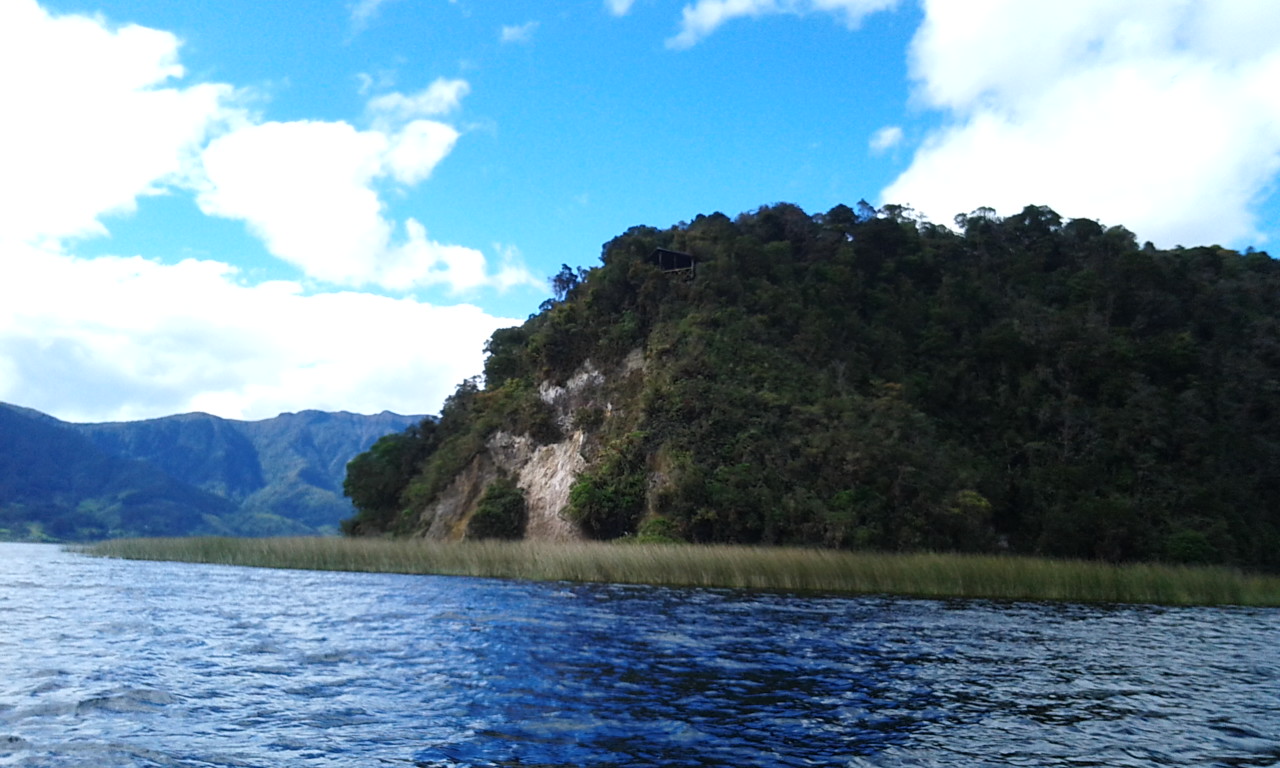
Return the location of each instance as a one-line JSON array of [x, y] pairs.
[[179, 475]]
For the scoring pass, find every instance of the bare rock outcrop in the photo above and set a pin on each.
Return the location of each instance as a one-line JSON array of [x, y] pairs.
[[545, 473], [446, 518]]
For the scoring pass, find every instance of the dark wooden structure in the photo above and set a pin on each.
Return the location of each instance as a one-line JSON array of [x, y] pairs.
[[674, 262]]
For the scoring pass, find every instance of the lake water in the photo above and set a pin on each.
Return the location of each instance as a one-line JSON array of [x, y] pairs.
[[112, 663]]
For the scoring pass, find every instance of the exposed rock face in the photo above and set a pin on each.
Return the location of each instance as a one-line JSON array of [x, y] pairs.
[[544, 472], [546, 476], [446, 518], [579, 391]]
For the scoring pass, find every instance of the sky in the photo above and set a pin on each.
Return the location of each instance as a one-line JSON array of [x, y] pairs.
[[248, 208]]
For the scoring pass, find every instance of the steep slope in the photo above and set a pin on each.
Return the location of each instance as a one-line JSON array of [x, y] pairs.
[[191, 473], [284, 474], [544, 463], [304, 458], [205, 451], [864, 379], [56, 484]]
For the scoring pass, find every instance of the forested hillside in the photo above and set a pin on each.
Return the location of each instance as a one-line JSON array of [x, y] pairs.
[[179, 475], [55, 484], [864, 379], [284, 474]]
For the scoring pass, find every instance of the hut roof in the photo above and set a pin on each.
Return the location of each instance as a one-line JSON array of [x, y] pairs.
[[672, 261]]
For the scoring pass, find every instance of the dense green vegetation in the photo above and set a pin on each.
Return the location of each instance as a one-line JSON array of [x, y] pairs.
[[780, 568], [501, 513], [56, 485], [867, 380]]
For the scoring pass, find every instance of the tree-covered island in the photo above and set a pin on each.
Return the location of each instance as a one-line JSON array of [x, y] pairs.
[[863, 379]]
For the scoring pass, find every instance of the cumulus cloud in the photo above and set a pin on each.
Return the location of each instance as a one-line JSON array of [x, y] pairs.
[[885, 139], [305, 189], [419, 260], [416, 149], [93, 120], [96, 116], [519, 33], [440, 98], [310, 191], [126, 338], [699, 20], [619, 7], [511, 269], [1163, 117]]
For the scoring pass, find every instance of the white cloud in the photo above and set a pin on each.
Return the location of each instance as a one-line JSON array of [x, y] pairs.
[[416, 150], [520, 33], [419, 260], [699, 20], [365, 11], [440, 98], [619, 7], [92, 121], [885, 139], [512, 272], [307, 190], [95, 117], [1162, 117], [853, 11], [127, 338]]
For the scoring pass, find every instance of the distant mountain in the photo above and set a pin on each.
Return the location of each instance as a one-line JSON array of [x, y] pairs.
[[179, 475], [57, 484]]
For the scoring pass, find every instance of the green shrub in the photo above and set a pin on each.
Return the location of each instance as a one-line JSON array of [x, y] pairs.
[[658, 530], [588, 418], [501, 514], [607, 502], [1189, 546]]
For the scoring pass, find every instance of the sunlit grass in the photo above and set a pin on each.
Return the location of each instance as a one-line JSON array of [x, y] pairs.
[[773, 568]]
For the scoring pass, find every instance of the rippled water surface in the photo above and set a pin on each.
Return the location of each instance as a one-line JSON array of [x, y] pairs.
[[111, 663]]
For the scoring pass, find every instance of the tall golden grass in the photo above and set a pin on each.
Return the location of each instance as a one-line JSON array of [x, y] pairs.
[[771, 568]]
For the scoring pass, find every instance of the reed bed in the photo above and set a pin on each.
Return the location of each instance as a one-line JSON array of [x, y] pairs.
[[769, 568]]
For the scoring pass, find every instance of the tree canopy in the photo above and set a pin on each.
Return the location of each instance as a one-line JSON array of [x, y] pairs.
[[865, 379]]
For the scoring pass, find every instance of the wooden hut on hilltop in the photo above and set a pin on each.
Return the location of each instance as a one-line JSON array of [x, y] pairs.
[[674, 262]]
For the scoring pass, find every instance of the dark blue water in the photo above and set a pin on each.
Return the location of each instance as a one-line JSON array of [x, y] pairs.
[[110, 663]]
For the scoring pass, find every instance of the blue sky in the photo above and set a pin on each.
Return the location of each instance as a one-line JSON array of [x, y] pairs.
[[247, 208]]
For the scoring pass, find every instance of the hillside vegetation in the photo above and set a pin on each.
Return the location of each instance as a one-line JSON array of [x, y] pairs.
[[178, 475], [863, 379], [55, 484]]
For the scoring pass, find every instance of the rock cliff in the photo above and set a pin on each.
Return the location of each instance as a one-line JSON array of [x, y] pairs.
[[545, 473]]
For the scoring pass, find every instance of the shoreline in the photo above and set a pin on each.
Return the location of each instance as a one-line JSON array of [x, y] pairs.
[[917, 575]]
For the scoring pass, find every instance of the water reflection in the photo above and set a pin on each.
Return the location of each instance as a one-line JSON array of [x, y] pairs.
[[145, 664]]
